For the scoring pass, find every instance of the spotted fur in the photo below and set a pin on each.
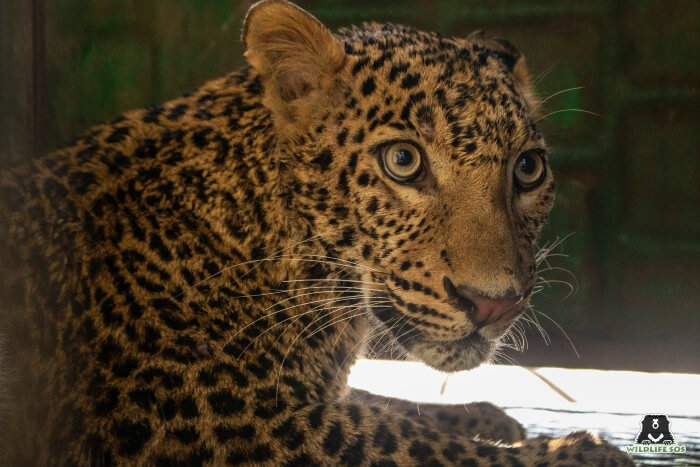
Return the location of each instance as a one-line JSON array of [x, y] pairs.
[[189, 284]]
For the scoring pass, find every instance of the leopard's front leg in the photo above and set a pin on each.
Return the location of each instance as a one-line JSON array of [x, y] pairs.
[[360, 434], [480, 418]]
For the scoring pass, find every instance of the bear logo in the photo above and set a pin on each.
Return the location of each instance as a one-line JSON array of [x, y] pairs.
[[656, 429]]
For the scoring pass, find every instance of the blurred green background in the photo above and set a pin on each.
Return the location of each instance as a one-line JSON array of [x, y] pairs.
[[628, 178]]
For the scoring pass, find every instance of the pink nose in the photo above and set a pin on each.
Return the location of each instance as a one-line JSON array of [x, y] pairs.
[[488, 309], [482, 310]]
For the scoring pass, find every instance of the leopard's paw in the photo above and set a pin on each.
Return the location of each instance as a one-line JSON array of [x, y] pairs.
[[580, 448], [481, 418]]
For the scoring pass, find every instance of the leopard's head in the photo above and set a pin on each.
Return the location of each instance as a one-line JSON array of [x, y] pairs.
[[418, 157]]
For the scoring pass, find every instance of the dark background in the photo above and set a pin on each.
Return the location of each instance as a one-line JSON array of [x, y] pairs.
[[627, 192]]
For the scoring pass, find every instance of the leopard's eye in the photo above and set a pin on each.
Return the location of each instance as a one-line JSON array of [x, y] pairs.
[[530, 170], [402, 161]]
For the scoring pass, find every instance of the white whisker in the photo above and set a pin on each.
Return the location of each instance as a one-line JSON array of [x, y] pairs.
[[562, 331], [286, 354], [566, 110], [327, 300], [544, 74], [333, 280], [553, 95], [245, 263]]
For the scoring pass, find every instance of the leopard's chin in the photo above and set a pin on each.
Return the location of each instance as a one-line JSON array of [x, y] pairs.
[[464, 353], [461, 354]]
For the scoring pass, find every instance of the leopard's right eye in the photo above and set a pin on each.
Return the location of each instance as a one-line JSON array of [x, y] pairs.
[[402, 161], [530, 170]]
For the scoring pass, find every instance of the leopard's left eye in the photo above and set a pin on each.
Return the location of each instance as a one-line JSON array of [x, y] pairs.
[[530, 170], [402, 161]]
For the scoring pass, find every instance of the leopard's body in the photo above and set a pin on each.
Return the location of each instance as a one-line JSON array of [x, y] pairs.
[[190, 283]]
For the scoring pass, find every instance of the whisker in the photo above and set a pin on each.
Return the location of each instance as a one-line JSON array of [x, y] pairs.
[[538, 327], [292, 318], [367, 301], [515, 334], [329, 312], [286, 354], [358, 294], [520, 332], [499, 354], [542, 75], [376, 326], [556, 268], [387, 330], [341, 333], [566, 110], [354, 347], [276, 257], [368, 337], [328, 300], [379, 331], [548, 282], [293, 297], [333, 280], [546, 249], [355, 306], [247, 262], [336, 261], [550, 255], [553, 95], [562, 331], [371, 306], [331, 322], [397, 336], [319, 288]]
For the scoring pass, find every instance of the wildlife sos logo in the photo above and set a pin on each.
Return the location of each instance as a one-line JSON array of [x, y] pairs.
[[655, 436]]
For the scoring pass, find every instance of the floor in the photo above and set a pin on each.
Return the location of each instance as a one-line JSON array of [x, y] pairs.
[[555, 401]]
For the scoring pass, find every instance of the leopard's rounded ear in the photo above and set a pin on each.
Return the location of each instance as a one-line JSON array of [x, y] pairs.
[[295, 55], [511, 58], [500, 48]]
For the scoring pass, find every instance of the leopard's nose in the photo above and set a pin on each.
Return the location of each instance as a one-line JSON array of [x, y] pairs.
[[482, 309]]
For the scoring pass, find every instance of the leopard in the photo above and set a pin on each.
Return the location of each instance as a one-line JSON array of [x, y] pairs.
[[190, 283]]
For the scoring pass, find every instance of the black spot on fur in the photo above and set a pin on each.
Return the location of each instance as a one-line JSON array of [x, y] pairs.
[[334, 439], [323, 160], [81, 181], [224, 432], [132, 435], [420, 450], [316, 417], [342, 136], [410, 81], [355, 453], [348, 237], [368, 86], [363, 179], [224, 403], [384, 438]]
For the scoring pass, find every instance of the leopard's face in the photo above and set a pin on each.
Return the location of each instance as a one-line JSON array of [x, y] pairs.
[[425, 166]]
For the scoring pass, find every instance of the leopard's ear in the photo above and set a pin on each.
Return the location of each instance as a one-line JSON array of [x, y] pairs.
[[295, 55], [511, 58], [522, 77]]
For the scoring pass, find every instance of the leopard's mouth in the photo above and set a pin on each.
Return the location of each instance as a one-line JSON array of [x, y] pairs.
[[463, 353]]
